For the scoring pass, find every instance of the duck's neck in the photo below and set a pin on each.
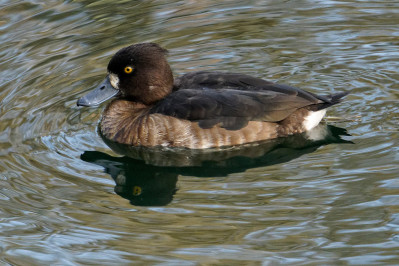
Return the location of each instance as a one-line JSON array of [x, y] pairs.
[[155, 85]]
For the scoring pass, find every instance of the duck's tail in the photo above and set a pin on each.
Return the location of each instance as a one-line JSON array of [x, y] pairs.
[[329, 100]]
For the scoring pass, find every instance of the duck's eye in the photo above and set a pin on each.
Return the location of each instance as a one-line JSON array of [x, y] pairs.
[[128, 69]]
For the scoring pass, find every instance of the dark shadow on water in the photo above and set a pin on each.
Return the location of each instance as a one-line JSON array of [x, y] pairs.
[[148, 177]]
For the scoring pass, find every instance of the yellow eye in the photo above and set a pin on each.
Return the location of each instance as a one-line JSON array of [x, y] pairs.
[[128, 69]]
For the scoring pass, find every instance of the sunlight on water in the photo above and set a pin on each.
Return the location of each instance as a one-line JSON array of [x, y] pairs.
[[66, 198]]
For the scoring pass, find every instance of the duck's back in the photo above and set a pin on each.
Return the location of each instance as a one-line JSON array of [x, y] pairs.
[[231, 100], [200, 80]]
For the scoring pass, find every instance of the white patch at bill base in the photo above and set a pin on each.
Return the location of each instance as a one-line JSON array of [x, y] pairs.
[[114, 80]]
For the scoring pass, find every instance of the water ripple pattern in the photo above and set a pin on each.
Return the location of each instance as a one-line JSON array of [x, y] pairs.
[[67, 199]]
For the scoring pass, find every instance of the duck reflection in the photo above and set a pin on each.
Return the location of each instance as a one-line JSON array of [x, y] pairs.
[[148, 177]]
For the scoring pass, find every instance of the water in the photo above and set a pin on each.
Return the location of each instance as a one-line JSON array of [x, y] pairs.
[[67, 199]]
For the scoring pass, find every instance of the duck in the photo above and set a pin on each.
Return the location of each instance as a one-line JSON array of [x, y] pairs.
[[200, 109]]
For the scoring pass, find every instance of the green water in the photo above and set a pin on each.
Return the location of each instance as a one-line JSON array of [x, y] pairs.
[[67, 199]]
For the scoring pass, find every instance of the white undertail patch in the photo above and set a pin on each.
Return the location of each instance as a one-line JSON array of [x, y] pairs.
[[313, 119]]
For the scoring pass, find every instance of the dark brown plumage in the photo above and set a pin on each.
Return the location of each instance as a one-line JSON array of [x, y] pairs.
[[200, 109]]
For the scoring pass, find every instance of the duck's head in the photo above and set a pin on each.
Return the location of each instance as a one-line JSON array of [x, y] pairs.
[[138, 72]]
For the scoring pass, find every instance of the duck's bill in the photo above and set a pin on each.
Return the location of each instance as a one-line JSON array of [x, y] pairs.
[[99, 95]]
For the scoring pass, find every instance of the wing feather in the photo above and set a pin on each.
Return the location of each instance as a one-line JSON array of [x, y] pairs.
[[232, 100], [230, 108]]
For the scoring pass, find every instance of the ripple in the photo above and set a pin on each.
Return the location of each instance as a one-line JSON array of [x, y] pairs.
[[334, 202]]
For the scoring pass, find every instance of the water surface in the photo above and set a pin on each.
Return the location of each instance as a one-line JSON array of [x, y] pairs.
[[67, 199]]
